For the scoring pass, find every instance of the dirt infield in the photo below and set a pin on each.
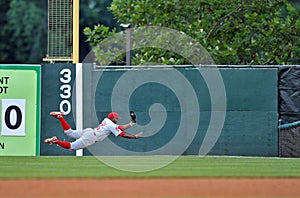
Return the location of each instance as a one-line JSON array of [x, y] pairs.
[[146, 188]]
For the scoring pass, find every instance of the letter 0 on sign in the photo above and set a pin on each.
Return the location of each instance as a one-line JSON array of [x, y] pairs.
[[18, 117], [13, 117]]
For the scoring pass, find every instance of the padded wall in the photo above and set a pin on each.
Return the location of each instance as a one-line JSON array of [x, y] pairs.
[[250, 126]]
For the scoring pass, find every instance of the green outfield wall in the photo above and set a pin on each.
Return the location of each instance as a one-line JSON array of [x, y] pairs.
[[250, 126], [20, 110], [251, 109], [181, 110], [57, 90]]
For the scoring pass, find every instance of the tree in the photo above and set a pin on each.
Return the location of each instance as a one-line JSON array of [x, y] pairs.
[[23, 32], [24, 35], [4, 7], [94, 12], [234, 32]]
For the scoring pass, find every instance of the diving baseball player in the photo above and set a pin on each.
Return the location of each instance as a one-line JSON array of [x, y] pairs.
[[89, 136]]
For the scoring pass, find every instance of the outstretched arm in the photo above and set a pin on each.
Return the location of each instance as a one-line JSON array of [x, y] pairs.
[[131, 123], [126, 135], [126, 126]]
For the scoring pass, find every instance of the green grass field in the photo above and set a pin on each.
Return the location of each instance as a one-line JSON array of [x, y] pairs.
[[185, 166]]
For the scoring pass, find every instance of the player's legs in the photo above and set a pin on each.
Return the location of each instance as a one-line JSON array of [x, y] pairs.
[[60, 116], [50, 140], [65, 125], [64, 144], [76, 134], [88, 138], [54, 140], [78, 144]]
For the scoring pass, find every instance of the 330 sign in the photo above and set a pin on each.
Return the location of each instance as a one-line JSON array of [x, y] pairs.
[[65, 88]]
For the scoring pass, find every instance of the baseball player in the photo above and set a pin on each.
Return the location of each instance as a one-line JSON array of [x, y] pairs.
[[90, 136]]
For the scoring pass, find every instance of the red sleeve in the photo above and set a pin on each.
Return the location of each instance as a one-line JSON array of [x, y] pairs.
[[122, 133], [121, 128]]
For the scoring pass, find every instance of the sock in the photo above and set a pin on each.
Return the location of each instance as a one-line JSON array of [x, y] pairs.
[[64, 124], [65, 145]]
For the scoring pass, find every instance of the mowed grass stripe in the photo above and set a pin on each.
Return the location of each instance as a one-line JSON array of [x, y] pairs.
[[185, 166]]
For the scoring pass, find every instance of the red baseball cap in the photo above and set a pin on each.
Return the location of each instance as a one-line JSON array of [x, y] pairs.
[[113, 115]]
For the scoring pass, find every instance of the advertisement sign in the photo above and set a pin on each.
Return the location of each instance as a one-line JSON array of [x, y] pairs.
[[20, 110]]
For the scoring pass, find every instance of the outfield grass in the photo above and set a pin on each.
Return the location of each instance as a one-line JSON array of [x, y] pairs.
[[185, 166]]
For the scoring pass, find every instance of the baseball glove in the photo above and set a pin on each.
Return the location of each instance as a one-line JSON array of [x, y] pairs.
[[133, 116]]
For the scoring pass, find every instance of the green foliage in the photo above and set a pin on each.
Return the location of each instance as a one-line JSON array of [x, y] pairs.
[[233, 32], [97, 34], [24, 34], [95, 11], [4, 7]]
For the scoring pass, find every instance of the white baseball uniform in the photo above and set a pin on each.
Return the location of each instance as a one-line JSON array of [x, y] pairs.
[[89, 136]]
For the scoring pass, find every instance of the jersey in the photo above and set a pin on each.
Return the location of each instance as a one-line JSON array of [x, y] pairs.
[[105, 128]]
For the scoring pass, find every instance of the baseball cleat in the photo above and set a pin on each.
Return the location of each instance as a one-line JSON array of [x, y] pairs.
[[50, 140], [57, 114]]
